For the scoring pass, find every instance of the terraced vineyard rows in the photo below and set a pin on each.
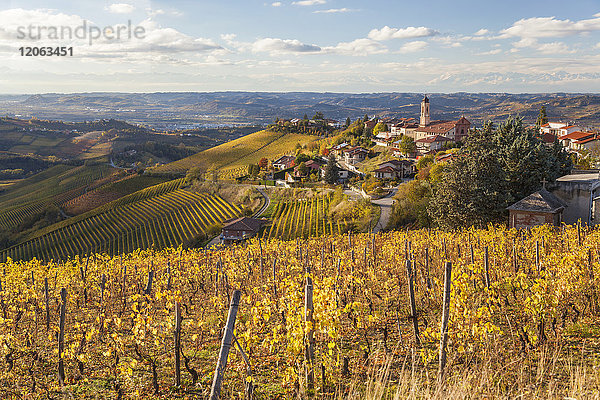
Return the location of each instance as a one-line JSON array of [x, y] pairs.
[[303, 219], [154, 222], [57, 185], [238, 153]]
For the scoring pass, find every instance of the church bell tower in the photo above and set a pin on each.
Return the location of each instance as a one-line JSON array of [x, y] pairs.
[[424, 112]]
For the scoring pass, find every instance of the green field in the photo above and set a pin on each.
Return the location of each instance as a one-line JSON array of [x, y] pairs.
[[237, 154]]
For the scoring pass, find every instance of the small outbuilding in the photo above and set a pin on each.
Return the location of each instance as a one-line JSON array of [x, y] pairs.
[[240, 229], [539, 208]]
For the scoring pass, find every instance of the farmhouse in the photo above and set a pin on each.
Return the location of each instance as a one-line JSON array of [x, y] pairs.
[[284, 162], [240, 229]]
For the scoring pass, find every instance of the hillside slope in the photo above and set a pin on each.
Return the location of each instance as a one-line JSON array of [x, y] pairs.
[[240, 152]]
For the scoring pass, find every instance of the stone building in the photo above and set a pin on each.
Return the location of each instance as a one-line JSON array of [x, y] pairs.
[[539, 208]]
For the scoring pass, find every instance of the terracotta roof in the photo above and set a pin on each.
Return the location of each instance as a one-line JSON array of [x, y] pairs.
[[438, 127], [244, 224], [577, 135], [568, 127], [546, 125], [587, 140], [434, 138], [542, 201]]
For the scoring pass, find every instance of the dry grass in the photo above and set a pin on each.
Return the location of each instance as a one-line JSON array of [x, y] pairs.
[[550, 372]]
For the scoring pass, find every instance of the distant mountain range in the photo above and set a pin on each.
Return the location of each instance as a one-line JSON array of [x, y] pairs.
[[177, 109]]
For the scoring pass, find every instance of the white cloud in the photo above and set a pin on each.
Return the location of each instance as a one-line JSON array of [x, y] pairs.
[[598, 45], [491, 52], [309, 2], [228, 37], [154, 41], [546, 27], [120, 8], [334, 11], [387, 33], [276, 4], [544, 48], [274, 45], [413, 47], [358, 47], [154, 13], [482, 32]]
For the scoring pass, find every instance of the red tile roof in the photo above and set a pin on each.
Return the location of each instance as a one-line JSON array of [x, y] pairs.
[[434, 138], [438, 127], [577, 135]]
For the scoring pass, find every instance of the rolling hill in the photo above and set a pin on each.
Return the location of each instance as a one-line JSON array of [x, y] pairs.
[[237, 154]]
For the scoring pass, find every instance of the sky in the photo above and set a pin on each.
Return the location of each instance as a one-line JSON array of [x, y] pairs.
[[348, 46]]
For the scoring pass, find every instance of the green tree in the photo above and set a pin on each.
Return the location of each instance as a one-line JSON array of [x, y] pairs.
[[366, 118], [331, 170], [410, 204], [303, 169], [473, 191], [305, 117], [318, 116], [407, 145], [380, 127], [495, 168], [542, 118], [348, 122]]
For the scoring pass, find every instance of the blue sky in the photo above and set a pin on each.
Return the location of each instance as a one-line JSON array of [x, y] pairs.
[[308, 45]]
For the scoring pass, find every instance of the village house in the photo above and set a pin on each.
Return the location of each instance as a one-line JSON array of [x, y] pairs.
[[558, 129], [284, 162], [355, 155], [240, 229], [370, 124], [394, 169], [337, 150], [432, 143], [539, 208], [312, 166], [578, 140]]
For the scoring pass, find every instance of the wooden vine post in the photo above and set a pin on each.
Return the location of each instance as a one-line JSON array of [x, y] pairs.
[[61, 337], [413, 304], [47, 301], [427, 268], [310, 324], [486, 267], [215, 390], [177, 344], [445, 318]]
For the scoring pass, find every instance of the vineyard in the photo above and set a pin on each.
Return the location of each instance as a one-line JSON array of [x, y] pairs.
[[337, 316], [157, 217], [302, 219], [57, 185], [232, 158]]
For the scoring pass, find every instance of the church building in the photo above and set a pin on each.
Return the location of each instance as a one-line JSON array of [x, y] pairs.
[[453, 130]]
